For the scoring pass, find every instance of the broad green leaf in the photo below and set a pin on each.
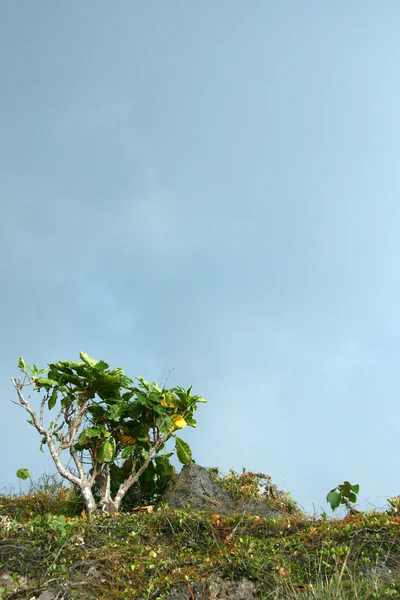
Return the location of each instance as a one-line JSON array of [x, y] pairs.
[[96, 410], [101, 366], [139, 431], [106, 451], [199, 399], [334, 499], [46, 382], [127, 451], [52, 400], [352, 497], [163, 465], [355, 488], [135, 410], [115, 412], [91, 362], [183, 451], [23, 474], [95, 432], [164, 424], [190, 421], [92, 432], [107, 385]]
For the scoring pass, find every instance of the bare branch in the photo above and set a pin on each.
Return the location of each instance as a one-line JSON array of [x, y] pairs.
[[134, 476]]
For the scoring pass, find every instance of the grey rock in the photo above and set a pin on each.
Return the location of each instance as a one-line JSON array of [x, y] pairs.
[[48, 595], [9, 582], [381, 571], [216, 590], [196, 488], [53, 594]]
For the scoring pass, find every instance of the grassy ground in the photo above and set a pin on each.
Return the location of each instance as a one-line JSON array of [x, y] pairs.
[[46, 536]]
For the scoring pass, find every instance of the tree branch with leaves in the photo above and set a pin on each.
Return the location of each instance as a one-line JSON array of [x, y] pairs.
[[119, 426]]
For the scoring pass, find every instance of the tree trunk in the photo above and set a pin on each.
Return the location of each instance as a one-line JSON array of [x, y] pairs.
[[88, 497]]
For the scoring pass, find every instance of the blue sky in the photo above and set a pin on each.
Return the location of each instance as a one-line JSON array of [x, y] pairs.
[[213, 188]]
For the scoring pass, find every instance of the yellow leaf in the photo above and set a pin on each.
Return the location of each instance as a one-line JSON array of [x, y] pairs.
[[216, 520], [178, 421], [168, 400], [126, 438]]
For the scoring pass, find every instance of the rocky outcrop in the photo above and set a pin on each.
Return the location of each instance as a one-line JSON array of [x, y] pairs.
[[195, 488]]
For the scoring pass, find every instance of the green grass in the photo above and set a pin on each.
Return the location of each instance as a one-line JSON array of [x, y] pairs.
[[141, 554]]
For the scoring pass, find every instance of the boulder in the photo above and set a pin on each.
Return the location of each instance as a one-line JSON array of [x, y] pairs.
[[195, 488]]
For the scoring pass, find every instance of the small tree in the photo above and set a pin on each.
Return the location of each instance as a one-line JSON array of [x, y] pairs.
[[106, 421]]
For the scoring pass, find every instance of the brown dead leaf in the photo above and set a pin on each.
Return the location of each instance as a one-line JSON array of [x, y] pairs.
[[149, 508], [216, 521]]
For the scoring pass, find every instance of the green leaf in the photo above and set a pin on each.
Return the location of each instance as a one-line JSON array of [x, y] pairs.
[[334, 499], [107, 385], [135, 410], [106, 451], [183, 451], [144, 383], [115, 412], [128, 450], [190, 421], [92, 432], [22, 474], [355, 488], [101, 366], [163, 465], [352, 497], [52, 400], [96, 410], [95, 432], [164, 424], [91, 362], [22, 365], [43, 443]]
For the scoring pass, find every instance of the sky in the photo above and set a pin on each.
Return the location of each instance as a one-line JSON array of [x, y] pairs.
[[211, 188]]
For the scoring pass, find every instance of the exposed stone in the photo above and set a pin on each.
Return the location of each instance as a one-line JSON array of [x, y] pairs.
[[196, 488], [216, 590], [12, 583], [49, 595]]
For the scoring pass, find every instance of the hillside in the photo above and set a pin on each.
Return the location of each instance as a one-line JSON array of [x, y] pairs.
[[50, 549]]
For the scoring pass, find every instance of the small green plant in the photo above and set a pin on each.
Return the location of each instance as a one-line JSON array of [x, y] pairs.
[[344, 494], [22, 474]]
